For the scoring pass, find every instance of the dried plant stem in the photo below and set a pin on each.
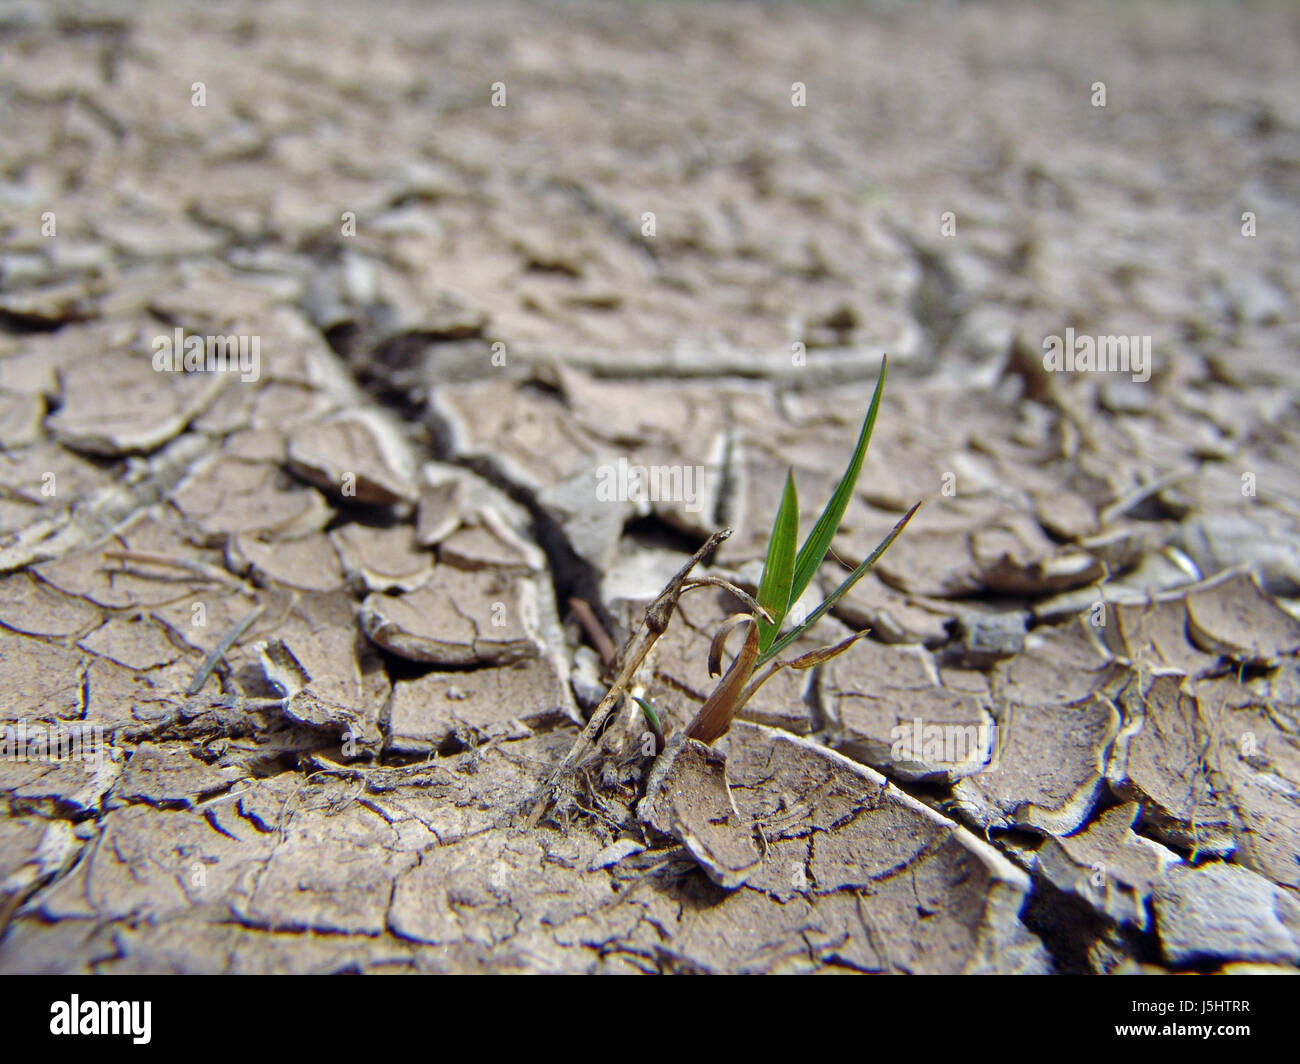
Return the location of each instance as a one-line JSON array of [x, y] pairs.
[[595, 631], [750, 602], [657, 616], [166, 561], [219, 651], [714, 717], [1122, 506]]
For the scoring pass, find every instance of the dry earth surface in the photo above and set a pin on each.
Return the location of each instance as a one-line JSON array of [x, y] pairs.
[[319, 612]]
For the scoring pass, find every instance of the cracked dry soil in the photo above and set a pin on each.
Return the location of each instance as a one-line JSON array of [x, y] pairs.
[[319, 613]]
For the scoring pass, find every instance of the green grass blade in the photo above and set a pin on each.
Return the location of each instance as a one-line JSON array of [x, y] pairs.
[[651, 716], [839, 592], [778, 570], [819, 539]]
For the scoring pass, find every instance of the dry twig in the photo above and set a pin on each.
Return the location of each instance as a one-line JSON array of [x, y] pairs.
[[657, 616]]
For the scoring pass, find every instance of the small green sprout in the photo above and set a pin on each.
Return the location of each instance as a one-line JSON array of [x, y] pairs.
[[652, 718], [786, 576]]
